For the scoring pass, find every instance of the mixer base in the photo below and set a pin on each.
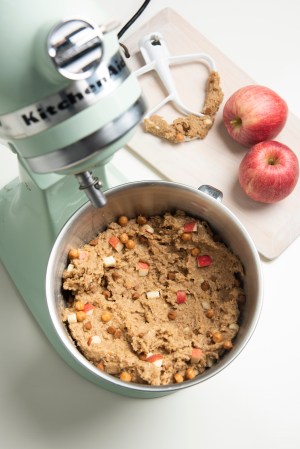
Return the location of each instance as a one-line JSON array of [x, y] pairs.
[[32, 212]]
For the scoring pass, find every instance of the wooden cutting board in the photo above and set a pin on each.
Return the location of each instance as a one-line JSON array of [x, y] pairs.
[[214, 160]]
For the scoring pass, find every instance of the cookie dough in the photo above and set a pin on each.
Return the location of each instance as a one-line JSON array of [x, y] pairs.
[[189, 127], [154, 300]]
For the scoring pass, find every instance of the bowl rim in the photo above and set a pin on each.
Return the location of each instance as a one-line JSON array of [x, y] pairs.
[[102, 376]]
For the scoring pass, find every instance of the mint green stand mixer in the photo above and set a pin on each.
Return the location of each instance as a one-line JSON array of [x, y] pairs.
[[67, 103]]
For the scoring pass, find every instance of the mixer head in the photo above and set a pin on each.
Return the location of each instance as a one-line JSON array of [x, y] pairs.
[[76, 102]]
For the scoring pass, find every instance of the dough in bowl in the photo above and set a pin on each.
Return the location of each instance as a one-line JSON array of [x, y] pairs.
[[154, 300]]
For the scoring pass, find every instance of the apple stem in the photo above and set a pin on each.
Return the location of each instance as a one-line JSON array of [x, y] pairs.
[[236, 122]]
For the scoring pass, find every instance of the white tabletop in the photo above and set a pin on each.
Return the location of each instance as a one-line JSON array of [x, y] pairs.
[[254, 403]]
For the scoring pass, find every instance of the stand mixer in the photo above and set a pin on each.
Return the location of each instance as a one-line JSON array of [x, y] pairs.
[[68, 102]]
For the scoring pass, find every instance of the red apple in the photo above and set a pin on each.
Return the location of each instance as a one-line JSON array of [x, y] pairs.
[[269, 172], [253, 114]]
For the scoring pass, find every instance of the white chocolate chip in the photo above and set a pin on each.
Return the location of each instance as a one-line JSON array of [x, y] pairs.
[[206, 305], [109, 261], [153, 294], [95, 340], [209, 362], [72, 318]]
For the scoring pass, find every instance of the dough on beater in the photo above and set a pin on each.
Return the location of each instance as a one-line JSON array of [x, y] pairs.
[[190, 127]]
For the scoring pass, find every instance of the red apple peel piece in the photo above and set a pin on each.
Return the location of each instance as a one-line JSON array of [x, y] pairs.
[[88, 308], [116, 243], [148, 229], [83, 255], [190, 227], [156, 359], [94, 340], [181, 297], [204, 261], [197, 353], [143, 268]]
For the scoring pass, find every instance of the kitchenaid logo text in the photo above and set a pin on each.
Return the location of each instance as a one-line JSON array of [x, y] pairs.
[[74, 101]]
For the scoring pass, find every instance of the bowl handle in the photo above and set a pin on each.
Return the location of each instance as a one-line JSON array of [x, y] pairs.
[[211, 191]]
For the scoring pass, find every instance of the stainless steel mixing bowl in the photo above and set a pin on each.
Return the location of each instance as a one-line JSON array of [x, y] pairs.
[[148, 198]]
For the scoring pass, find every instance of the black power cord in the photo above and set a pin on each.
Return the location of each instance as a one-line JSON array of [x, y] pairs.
[[129, 23], [133, 19]]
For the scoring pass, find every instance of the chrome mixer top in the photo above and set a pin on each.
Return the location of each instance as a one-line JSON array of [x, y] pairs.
[[76, 47], [84, 104]]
